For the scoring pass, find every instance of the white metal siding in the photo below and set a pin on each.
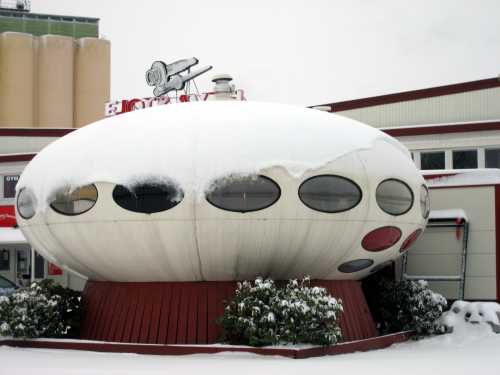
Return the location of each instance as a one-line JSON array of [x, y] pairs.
[[438, 251], [476, 105]]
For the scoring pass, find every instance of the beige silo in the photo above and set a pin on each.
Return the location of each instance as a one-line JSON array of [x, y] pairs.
[[55, 81], [92, 77], [17, 79]]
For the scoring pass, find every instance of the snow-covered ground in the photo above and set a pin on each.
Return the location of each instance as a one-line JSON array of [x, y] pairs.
[[470, 350]]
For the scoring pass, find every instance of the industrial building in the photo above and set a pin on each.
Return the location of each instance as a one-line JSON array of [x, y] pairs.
[[453, 132], [54, 77]]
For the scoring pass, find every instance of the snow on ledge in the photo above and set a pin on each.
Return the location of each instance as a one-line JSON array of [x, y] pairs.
[[451, 214], [459, 177]]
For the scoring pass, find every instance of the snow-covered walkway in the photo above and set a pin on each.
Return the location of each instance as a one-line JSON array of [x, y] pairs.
[[474, 351]]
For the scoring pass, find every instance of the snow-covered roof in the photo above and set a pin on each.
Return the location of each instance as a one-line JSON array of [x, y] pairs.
[[459, 177], [194, 143]]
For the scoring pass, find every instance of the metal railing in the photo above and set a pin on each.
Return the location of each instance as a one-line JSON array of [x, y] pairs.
[[460, 278]]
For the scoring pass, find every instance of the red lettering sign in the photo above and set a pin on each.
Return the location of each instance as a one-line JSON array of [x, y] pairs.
[[7, 216]]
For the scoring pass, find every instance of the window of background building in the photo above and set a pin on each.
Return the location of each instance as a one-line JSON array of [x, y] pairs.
[[39, 266], [9, 186], [432, 160], [465, 159], [492, 158], [4, 260]]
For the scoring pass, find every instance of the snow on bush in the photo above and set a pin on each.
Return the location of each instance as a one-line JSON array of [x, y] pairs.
[[264, 314], [410, 305], [35, 311], [464, 313]]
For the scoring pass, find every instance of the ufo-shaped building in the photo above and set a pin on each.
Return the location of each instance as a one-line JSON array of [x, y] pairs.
[[222, 191]]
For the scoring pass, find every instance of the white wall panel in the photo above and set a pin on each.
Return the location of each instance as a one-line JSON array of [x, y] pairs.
[[468, 106]]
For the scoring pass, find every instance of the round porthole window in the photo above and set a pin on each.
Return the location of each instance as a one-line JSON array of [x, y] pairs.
[[381, 238], [394, 197], [410, 240], [425, 202], [329, 193], [243, 194], [355, 265], [26, 204], [75, 202], [148, 198]]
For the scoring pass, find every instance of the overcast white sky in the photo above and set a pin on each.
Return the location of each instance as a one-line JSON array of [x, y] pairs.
[[300, 51]]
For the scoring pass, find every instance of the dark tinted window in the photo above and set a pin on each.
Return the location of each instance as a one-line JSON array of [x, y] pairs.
[[465, 159], [148, 198], [243, 194], [432, 160], [355, 265], [9, 186], [394, 197], [75, 202], [39, 266], [328, 193], [4, 260], [492, 158]]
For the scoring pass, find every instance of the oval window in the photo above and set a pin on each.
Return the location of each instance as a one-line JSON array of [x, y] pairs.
[[329, 193], [394, 197], [243, 194], [425, 202], [381, 238], [355, 265], [75, 202], [410, 240], [148, 198], [26, 204]]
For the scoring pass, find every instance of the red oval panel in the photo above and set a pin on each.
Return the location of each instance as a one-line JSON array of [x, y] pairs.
[[410, 240], [381, 238]]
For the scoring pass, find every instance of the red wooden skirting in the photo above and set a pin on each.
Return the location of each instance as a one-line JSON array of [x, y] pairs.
[[186, 312], [373, 343]]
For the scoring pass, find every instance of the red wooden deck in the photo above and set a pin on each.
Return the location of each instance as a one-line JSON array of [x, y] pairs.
[[186, 312], [373, 343]]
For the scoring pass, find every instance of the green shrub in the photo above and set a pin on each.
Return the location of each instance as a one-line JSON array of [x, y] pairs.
[[410, 306], [263, 314], [41, 310]]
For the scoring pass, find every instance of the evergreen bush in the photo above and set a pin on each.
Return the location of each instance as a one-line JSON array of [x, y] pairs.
[[40, 310], [410, 306], [264, 314]]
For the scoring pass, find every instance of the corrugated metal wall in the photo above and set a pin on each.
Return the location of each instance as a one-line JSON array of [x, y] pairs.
[[186, 313], [477, 105], [438, 251]]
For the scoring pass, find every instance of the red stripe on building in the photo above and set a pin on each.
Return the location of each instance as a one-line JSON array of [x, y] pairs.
[[442, 129], [9, 158], [34, 132], [414, 94]]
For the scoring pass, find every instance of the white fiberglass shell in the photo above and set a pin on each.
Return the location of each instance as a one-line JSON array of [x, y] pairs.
[[193, 145]]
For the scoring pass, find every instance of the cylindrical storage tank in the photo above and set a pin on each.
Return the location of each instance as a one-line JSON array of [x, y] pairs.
[[92, 80], [55, 81], [17, 80]]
